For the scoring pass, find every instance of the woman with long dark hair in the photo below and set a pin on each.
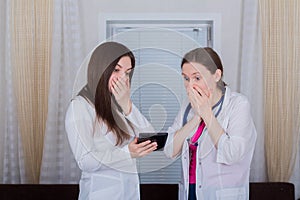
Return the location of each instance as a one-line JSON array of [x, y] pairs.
[[102, 125]]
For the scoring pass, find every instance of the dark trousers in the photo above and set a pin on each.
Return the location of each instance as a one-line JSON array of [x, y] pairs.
[[192, 192]]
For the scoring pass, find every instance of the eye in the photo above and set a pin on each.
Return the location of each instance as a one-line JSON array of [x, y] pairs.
[[186, 78], [128, 72], [116, 70], [197, 78]]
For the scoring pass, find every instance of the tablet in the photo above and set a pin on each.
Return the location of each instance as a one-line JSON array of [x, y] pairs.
[[160, 138]]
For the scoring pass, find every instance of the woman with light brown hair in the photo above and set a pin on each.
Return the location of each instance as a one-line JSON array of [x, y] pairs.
[[213, 133], [102, 125]]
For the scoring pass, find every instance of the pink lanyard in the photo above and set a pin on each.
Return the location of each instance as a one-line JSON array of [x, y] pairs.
[[198, 132]]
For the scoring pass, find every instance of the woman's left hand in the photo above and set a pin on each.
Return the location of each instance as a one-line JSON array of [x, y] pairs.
[[200, 101], [141, 149], [121, 91]]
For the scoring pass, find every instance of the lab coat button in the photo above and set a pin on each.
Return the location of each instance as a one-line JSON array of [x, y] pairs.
[[200, 186]]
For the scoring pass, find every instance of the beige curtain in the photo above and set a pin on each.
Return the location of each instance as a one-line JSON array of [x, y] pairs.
[[281, 53], [31, 46]]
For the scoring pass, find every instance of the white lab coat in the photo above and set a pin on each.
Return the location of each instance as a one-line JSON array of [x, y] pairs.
[[108, 171], [221, 173]]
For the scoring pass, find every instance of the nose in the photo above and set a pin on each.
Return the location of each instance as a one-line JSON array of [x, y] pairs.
[[123, 75], [120, 74], [190, 83]]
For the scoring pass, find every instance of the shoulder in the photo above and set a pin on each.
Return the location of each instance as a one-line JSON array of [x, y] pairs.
[[236, 100], [80, 102], [238, 97], [234, 97], [79, 107], [184, 104], [186, 112]]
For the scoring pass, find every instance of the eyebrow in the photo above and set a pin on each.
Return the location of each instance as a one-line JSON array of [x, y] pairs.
[[191, 74], [119, 65], [122, 67]]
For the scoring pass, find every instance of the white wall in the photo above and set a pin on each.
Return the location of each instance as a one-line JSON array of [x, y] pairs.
[[231, 18]]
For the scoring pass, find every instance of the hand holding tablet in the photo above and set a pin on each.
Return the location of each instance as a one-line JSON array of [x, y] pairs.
[[160, 138]]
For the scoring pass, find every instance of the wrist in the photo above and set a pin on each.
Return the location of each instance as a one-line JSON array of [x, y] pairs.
[[207, 118], [197, 118], [127, 108], [195, 121]]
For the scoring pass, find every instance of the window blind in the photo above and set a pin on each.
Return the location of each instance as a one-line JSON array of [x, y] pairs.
[[157, 86]]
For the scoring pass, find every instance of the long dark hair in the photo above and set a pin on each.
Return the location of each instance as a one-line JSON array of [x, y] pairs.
[[208, 58], [102, 64]]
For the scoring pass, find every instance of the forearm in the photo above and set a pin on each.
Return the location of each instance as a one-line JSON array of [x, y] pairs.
[[126, 107], [138, 121], [181, 135], [214, 129]]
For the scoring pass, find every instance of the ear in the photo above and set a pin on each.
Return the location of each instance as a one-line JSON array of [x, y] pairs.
[[218, 75]]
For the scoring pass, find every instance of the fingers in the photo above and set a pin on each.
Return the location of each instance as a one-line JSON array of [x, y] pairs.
[[142, 149], [197, 100], [193, 93], [116, 85], [144, 146], [198, 96], [150, 148], [193, 97], [201, 92], [119, 85]]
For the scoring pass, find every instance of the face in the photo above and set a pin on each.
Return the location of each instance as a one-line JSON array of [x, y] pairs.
[[122, 70], [197, 74]]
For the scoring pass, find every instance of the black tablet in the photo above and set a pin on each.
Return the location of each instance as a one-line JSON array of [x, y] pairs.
[[160, 138]]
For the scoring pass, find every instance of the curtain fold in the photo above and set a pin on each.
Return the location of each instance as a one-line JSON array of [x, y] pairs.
[[58, 164], [2, 82], [31, 22], [251, 81], [11, 159], [280, 28]]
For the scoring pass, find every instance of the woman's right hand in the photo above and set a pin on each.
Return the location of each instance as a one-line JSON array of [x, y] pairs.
[[141, 149], [121, 91], [200, 101]]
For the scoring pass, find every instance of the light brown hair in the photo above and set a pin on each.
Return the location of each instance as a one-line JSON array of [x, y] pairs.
[[208, 58]]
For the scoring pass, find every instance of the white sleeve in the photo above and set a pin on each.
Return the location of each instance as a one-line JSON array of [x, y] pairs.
[[240, 135], [168, 149], [139, 122], [90, 152]]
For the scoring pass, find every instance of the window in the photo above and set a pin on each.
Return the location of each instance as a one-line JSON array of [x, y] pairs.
[[157, 85]]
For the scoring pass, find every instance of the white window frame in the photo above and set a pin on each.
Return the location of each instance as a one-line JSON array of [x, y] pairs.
[[105, 18]]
